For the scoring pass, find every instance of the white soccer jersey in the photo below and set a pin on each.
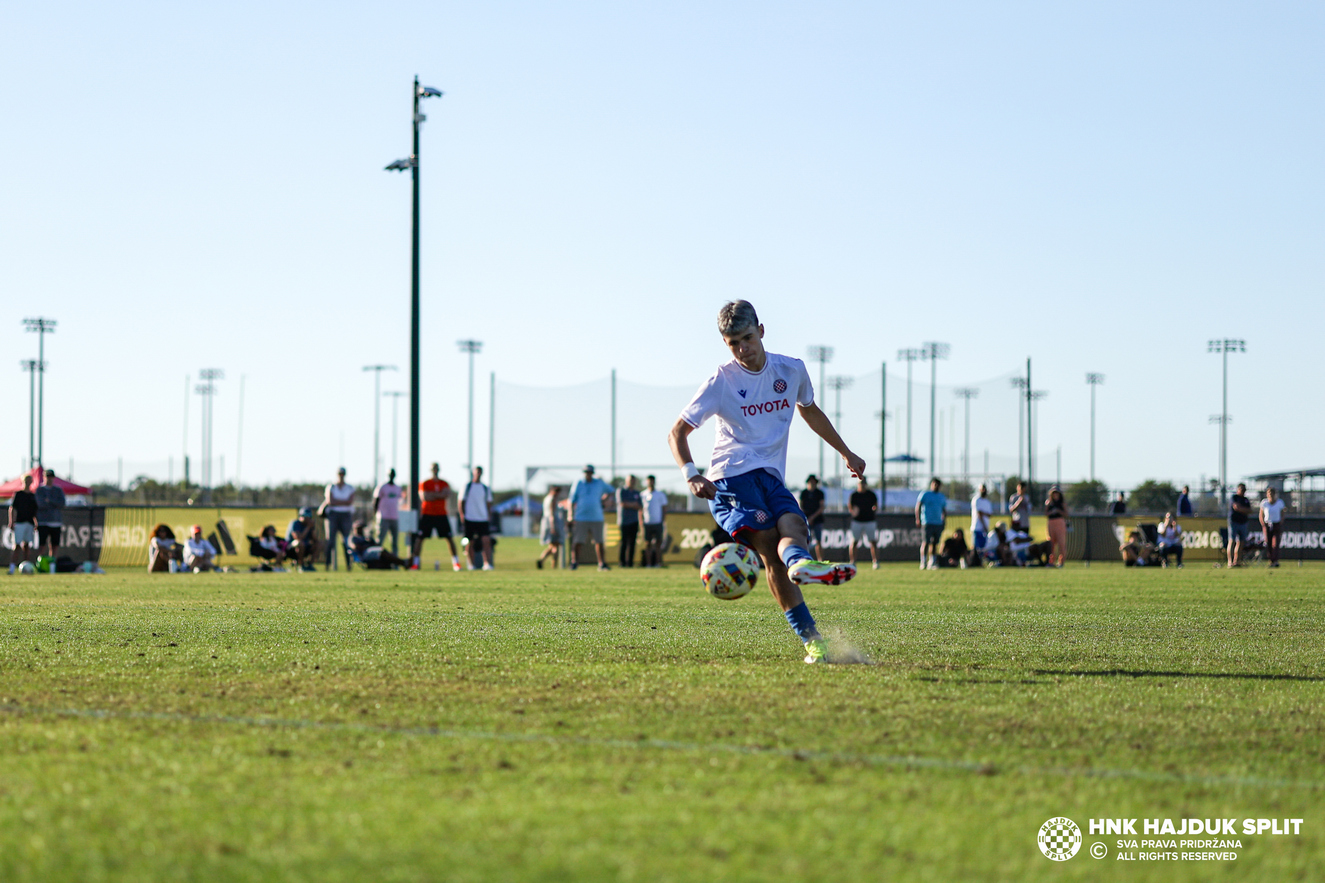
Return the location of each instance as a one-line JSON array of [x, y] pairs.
[[754, 414]]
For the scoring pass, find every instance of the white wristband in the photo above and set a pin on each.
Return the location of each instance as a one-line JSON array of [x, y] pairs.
[[689, 470]]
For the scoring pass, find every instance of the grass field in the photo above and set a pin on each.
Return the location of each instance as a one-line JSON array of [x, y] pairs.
[[541, 725]]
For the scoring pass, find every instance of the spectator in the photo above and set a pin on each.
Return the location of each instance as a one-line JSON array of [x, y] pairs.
[[997, 552], [301, 540], [1020, 508], [23, 522], [553, 533], [1239, 512], [50, 518], [475, 515], [1272, 523], [1136, 551], [269, 547], [370, 554], [162, 550], [1119, 505], [1170, 540], [812, 505], [199, 554], [628, 508], [864, 508], [1055, 513], [434, 520], [954, 550], [982, 509], [931, 516], [1019, 547], [1185, 503], [587, 497], [386, 503], [338, 508], [654, 514]]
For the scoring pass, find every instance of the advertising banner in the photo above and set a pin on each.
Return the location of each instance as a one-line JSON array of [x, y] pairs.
[[128, 529]]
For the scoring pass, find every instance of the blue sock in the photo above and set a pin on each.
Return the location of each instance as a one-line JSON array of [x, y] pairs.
[[794, 553], [802, 623]]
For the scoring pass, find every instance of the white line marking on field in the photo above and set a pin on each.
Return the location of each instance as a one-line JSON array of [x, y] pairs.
[[909, 762]]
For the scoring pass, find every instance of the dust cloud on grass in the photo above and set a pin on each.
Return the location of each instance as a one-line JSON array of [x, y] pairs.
[[841, 649]]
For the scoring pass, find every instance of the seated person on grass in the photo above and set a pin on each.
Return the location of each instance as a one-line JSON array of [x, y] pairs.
[[162, 549], [369, 553], [1136, 551], [199, 554], [270, 547], [1019, 544], [953, 553], [996, 552], [301, 539]]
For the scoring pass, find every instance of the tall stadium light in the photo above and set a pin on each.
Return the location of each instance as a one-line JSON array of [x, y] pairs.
[[837, 383], [1032, 420], [1094, 380], [910, 356], [412, 164], [1019, 384], [207, 389], [1225, 346], [823, 355], [470, 347], [377, 414], [933, 352], [394, 395], [32, 366], [41, 327], [967, 393]]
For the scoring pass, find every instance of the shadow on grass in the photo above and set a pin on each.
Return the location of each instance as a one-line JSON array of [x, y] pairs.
[[1132, 673]]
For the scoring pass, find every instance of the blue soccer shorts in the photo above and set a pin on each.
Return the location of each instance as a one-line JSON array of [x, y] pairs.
[[752, 501]]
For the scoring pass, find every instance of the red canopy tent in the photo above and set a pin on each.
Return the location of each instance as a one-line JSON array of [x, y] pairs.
[[9, 488]]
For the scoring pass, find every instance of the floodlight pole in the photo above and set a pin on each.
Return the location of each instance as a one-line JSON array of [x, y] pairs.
[[470, 347], [883, 430], [207, 389], [967, 393], [1224, 347], [837, 383], [31, 366], [377, 414], [909, 356], [42, 327], [1094, 380], [933, 352], [822, 355], [412, 163], [1019, 383], [1030, 444], [394, 395]]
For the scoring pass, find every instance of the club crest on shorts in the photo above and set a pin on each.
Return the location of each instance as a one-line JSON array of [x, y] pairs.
[[779, 386], [761, 516]]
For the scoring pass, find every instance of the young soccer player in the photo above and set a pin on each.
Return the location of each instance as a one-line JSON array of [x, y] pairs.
[[754, 398]]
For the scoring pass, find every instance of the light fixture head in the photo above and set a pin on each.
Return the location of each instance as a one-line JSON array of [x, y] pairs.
[[400, 165]]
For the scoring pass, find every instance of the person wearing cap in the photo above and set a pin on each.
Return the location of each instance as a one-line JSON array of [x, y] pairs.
[[338, 507], [475, 519], [587, 498], [50, 518], [301, 539], [199, 554]]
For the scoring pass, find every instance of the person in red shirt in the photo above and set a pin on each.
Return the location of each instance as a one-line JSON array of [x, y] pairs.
[[433, 520]]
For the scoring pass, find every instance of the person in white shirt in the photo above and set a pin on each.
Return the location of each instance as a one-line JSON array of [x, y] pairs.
[[654, 502], [981, 509], [386, 500], [475, 518], [199, 554], [338, 509], [1170, 540], [1272, 523], [754, 397]]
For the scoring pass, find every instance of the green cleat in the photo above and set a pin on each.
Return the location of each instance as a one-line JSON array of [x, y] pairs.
[[816, 650], [827, 573]]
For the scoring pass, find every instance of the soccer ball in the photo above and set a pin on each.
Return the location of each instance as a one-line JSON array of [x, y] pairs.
[[26, 568], [729, 571]]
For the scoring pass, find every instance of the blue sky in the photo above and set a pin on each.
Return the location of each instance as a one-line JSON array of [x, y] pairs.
[[1102, 187]]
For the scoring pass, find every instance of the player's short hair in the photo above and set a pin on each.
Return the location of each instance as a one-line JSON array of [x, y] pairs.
[[736, 317]]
